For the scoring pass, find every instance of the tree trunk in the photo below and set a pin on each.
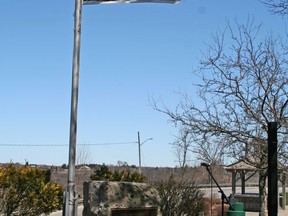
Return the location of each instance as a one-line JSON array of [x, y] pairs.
[[262, 193]]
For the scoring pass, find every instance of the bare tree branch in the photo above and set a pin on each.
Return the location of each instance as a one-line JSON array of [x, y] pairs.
[[277, 6], [243, 87]]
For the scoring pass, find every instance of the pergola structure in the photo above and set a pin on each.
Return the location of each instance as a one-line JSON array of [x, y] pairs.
[[243, 171]]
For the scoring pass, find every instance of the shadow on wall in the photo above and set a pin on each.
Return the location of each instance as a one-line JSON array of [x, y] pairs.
[[115, 198]]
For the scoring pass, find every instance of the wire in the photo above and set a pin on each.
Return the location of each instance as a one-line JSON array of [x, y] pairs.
[[59, 145], [119, 143], [29, 145]]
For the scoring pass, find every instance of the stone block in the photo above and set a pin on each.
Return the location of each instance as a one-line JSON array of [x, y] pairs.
[[105, 198]]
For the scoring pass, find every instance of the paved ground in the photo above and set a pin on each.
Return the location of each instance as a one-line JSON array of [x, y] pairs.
[[280, 213], [227, 191], [59, 213]]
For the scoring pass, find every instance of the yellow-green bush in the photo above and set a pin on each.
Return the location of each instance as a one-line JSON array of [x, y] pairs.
[[28, 191]]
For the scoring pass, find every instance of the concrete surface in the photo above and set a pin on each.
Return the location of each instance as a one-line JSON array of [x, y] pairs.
[[59, 213], [280, 212], [227, 191]]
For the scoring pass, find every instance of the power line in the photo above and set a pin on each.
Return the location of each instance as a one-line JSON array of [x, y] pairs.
[[30, 145], [119, 143], [63, 145]]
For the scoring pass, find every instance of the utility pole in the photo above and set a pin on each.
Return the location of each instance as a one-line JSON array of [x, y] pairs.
[[139, 150], [70, 208], [139, 153], [70, 195]]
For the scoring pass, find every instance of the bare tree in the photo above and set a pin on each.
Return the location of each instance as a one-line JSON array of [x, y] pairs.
[[202, 151], [181, 146], [122, 163], [82, 173], [83, 155], [243, 87], [277, 6]]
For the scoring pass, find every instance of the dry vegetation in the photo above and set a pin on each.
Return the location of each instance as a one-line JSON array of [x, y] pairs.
[[198, 175]]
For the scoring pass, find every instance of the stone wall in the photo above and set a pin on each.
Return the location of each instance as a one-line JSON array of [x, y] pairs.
[[105, 198]]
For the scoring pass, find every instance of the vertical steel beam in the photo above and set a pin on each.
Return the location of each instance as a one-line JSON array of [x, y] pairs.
[[272, 170]]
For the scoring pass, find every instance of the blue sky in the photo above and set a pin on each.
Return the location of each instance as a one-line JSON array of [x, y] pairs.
[[129, 52]]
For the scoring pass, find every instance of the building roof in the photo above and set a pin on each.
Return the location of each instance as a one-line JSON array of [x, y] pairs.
[[240, 165]]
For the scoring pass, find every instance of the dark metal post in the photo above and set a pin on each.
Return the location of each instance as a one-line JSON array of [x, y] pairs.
[[243, 181], [272, 170], [234, 182]]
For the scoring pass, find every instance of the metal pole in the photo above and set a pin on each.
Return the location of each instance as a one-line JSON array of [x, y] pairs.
[[139, 152], [272, 170], [72, 200], [70, 207], [223, 196]]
